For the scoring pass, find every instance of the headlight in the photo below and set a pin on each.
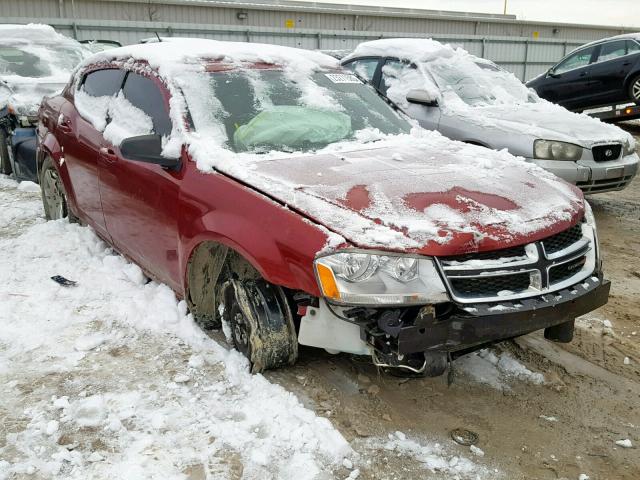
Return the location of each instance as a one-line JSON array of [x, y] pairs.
[[552, 150], [629, 147], [591, 221], [357, 278]]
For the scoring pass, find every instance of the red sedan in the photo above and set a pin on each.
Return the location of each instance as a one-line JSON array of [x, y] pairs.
[[283, 199]]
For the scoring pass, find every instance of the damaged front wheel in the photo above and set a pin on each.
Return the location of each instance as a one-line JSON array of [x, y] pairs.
[[260, 322]]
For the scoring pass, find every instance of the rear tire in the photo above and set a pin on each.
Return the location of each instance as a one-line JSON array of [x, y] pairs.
[[5, 163], [54, 197], [634, 90], [261, 323]]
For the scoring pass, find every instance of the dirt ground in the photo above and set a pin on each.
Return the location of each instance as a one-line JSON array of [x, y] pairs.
[[591, 396]]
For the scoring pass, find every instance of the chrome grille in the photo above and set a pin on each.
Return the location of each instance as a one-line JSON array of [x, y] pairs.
[[551, 264]]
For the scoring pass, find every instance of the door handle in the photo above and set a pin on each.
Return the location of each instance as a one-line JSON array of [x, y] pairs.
[[584, 74], [108, 154]]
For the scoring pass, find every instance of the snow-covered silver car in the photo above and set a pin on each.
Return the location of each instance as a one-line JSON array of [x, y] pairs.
[[473, 100]]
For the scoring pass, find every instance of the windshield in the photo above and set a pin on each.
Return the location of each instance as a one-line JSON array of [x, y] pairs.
[[32, 60], [478, 83], [259, 110]]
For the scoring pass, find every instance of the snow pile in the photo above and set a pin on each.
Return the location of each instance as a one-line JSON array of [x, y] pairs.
[[477, 91], [176, 401], [434, 457], [496, 370]]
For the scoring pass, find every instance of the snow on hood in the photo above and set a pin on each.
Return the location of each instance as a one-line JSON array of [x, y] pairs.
[[548, 121], [414, 192], [515, 109], [419, 193], [56, 56]]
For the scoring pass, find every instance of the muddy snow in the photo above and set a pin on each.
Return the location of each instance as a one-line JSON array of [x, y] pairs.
[[111, 379]]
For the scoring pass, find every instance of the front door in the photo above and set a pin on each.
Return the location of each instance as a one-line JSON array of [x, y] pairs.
[[140, 200], [570, 81]]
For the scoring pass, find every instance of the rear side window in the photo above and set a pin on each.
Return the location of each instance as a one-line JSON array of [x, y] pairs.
[[143, 93], [632, 47], [103, 83], [612, 50], [365, 67]]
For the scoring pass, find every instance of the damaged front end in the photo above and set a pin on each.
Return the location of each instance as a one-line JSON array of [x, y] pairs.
[[416, 313]]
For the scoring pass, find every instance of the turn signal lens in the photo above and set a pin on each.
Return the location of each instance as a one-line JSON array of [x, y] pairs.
[[328, 282]]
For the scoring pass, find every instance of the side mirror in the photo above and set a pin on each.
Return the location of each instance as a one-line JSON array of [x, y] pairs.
[[422, 97], [147, 148], [552, 73]]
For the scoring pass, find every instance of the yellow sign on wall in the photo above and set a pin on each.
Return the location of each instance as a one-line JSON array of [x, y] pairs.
[[289, 23], [536, 34]]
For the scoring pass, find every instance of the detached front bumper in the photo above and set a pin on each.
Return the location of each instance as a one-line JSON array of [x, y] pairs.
[[470, 326]]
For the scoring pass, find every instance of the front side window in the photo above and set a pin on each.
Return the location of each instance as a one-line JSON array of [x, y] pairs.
[[576, 60], [612, 50], [144, 94], [262, 110], [365, 67], [121, 111]]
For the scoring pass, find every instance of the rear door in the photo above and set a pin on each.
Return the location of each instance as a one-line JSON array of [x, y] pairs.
[[140, 200], [78, 131], [569, 83], [611, 68]]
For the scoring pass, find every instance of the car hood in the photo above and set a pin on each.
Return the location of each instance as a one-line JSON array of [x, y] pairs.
[[548, 121], [433, 196]]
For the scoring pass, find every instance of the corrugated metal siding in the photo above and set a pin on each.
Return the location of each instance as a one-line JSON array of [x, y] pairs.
[[504, 40]]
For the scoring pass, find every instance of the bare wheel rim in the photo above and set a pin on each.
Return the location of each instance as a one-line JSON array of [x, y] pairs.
[[635, 89], [53, 194]]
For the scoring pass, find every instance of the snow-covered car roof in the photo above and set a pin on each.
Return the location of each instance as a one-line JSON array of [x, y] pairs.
[[33, 33], [170, 57], [624, 36], [412, 49]]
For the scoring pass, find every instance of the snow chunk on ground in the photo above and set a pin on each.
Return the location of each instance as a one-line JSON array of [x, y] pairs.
[[27, 186], [496, 370], [626, 443]]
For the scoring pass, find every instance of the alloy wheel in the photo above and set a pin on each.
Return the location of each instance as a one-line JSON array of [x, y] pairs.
[[635, 89]]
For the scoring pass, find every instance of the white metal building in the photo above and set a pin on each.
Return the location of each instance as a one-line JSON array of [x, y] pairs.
[[526, 48]]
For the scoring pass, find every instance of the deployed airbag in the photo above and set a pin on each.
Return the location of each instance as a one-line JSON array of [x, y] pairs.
[[292, 127]]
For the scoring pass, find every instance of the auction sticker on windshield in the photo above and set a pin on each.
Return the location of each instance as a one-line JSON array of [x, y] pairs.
[[342, 78]]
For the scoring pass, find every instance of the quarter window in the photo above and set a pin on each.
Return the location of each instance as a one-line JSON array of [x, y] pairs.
[[577, 60], [366, 67], [143, 93], [632, 47], [612, 50], [103, 83]]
